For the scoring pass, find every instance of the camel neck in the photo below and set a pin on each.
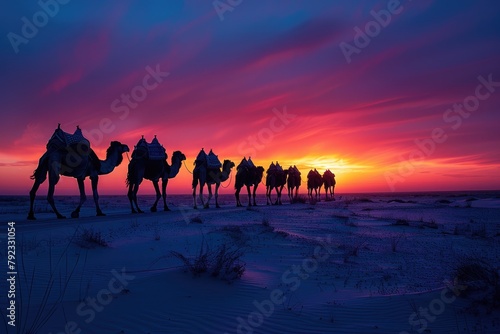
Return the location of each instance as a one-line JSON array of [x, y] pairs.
[[174, 169], [108, 165]]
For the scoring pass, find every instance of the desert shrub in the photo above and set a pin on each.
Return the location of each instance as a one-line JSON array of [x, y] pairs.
[[134, 224], [195, 220], [481, 280], [431, 224], [223, 262], [364, 200], [352, 250], [401, 222], [88, 238], [396, 201], [479, 231], [395, 241], [444, 201]]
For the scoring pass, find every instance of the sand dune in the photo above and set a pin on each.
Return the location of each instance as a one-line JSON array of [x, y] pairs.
[[362, 264]]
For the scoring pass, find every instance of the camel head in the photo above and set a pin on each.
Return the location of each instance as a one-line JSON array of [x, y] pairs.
[[227, 165], [178, 155], [118, 147]]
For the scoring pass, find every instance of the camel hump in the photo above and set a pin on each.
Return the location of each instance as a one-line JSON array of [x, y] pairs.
[[250, 162], [156, 150], [201, 157], [150, 151], [63, 140], [213, 160]]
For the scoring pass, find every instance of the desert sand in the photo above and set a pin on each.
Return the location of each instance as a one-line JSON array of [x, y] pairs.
[[365, 263]]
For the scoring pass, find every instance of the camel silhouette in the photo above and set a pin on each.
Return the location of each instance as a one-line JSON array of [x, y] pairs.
[[67, 157], [329, 183], [314, 182], [205, 174], [293, 182], [275, 179], [143, 166], [247, 175]]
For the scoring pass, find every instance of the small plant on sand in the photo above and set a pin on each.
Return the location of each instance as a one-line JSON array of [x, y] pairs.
[[479, 231], [482, 281], [401, 222], [352, 250], [195, 220], [224, 262], [88, 238], [395, 241], [34, 310], [344, 217], [431, 224], [134, 224]]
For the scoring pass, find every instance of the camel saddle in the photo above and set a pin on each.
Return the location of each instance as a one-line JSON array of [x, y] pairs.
[[245, 164], [154, 150], [211, 159], [63, 140]]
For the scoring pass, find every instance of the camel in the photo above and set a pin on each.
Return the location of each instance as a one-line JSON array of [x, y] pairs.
[[293, 182], [203, 174], [142, 167], [314, 182], [76, 160], [247, 175], [275, 179], [329, 182]]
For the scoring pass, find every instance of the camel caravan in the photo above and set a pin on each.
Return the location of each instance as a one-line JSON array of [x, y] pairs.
[[71, 155]]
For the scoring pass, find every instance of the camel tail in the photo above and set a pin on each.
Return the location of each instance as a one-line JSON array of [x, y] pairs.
[[40, 172], [130, 173]]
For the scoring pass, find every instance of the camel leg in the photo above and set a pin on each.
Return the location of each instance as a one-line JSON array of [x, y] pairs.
[[83, 198], [194, 198], [94, 180], [50, 197], [164, 184], [249, 196], [200, 195], [217, 195], [237, 196], [254, 194], [158, 195], [268, 195], [31, 213], [135, 190], [207, 204], [130, 195]]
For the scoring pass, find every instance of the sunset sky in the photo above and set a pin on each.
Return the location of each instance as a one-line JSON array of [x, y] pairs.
[[365, 88]]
